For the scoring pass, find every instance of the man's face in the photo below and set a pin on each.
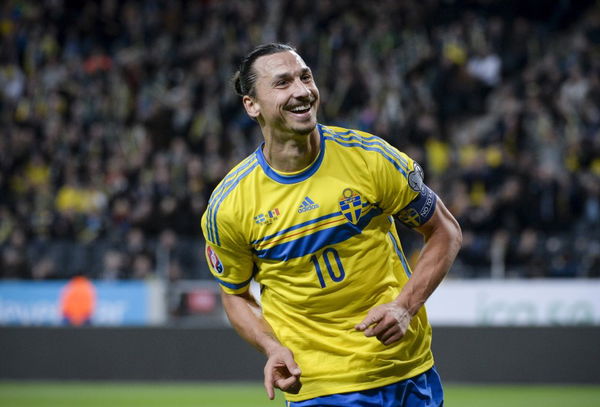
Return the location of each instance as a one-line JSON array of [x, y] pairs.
[[286, 96]]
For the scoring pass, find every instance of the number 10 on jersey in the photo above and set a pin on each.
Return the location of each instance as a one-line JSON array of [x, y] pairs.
[[333, 264]]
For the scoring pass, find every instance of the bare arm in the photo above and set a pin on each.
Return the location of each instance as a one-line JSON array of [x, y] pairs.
[[281, 370], [443, 238]]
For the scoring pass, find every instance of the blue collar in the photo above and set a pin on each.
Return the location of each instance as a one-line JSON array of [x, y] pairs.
[[292, 179]]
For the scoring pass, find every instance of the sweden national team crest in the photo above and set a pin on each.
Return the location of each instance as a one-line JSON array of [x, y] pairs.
[[410, 217], [351, 205]]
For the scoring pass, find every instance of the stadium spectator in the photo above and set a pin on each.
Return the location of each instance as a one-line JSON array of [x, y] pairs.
[[117, 105], [78, 301]]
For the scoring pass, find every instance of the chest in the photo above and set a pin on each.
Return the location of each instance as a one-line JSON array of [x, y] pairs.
[[327, 207]]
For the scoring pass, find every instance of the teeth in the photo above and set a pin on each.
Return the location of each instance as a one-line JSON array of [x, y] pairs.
[[300, 108]]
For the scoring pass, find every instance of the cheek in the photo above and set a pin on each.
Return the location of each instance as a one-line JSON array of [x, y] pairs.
[[272, 101], [315, 91], [279, 102]]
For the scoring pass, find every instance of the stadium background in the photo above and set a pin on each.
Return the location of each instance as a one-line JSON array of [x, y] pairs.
[[117, 120]]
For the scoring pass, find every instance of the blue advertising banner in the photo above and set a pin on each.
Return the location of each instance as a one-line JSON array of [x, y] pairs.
[[43, 303]]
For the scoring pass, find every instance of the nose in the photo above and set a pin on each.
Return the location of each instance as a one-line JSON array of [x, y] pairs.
[[301, 90]]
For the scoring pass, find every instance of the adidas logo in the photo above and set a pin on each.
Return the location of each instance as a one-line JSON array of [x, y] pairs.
[[307, 205]]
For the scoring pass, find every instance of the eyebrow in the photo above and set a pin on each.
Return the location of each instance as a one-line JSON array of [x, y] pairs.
[[285, 75]]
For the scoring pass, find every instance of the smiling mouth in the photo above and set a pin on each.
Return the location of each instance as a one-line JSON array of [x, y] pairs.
[[301, 108]]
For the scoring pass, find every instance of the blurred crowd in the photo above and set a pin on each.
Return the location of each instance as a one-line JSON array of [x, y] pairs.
[[118, 119]]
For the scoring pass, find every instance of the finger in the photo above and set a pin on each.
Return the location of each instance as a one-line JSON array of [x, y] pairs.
[[270, 390], [375, 330], [295, 388], [381, 326], [371, 318], [269, 383], [393, 338], [289, 384], [388, 333]]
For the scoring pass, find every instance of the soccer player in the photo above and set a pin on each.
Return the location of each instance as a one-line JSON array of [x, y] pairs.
[[310, 217]]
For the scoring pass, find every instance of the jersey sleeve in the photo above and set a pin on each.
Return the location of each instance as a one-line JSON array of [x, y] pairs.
[[229, 258], [400, 188]]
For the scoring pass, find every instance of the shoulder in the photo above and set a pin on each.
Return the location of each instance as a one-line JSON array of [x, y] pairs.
[[373, 148], [337, 132], [357, 139], [225, 200]]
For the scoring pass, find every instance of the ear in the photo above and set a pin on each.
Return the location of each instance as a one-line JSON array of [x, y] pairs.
[[252, 106]]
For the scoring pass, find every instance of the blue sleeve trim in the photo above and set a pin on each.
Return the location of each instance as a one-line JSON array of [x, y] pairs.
[[232, 285], [420, 210]]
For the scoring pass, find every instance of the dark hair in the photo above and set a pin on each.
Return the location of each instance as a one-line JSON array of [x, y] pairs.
[[245, 77]]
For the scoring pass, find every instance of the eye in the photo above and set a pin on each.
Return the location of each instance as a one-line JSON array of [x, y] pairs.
[[280, 83], [306, 77]]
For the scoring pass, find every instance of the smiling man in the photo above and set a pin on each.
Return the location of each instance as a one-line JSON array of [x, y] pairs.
[[310, 217]]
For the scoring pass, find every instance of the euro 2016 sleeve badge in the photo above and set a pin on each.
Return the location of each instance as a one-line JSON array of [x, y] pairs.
[[351, 205], [214, 260]]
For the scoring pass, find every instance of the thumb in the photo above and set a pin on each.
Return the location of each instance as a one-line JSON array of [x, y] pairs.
[[292, 366]]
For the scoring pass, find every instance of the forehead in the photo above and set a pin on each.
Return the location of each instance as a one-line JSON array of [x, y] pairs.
[[279, 63]]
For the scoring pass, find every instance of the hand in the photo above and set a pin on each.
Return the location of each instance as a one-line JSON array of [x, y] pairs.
[[388, 322], [282, 372]]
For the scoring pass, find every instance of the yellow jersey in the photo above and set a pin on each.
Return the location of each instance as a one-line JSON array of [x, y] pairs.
[[322, 244]]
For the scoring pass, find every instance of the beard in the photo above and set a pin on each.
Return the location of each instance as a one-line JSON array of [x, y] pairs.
[[304, 128]]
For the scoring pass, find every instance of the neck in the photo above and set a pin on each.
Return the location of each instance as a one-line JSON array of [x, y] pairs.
[[290, 153]]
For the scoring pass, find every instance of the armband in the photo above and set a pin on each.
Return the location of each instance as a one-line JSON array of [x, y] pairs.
[[420, 210]]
